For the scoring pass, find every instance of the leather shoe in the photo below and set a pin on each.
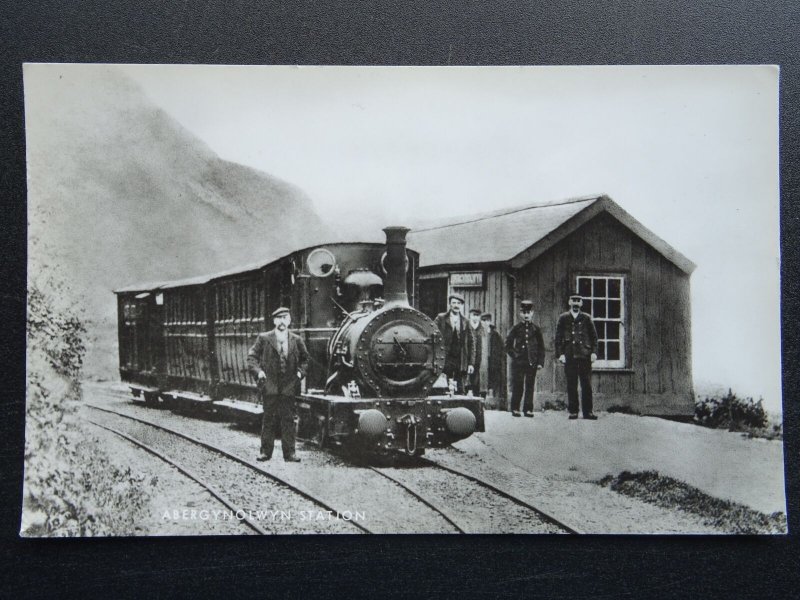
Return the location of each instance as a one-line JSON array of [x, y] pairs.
[[573, 417], [516, 413], [263, 458], [590, 416], [529, 414], [291, 459]]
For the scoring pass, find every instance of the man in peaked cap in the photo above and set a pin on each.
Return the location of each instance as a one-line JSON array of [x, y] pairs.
[[278, 360], [453, 327], [525, 346], [576, 348]]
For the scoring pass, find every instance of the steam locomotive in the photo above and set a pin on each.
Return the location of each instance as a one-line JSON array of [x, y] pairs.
[[375, 360]]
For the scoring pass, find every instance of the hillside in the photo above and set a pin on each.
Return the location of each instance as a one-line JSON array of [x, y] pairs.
[[119, 192]]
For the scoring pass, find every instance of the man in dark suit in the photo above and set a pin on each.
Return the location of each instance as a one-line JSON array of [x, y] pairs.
[[576, 348], [493, 360], [453, 327], [525, 346], [475, 337], [278, 360]]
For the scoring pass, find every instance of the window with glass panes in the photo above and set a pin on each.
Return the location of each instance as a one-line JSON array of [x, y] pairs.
[[603, 299]]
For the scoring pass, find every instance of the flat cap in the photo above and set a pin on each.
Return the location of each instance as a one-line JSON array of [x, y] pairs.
[[526, 304], [455, 295], [474, 311], [487, 316], [576, 297], [280, 311]]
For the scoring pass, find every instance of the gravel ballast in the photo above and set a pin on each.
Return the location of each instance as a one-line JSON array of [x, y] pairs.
[[169, 490], [549, 462], [274, 507], [385, 506]]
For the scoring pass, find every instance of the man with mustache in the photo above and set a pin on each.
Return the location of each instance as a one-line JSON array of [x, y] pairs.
[[453, 327], [576, 347], [278, 360]]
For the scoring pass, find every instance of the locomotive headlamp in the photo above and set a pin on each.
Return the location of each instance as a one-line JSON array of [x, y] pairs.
[[371, 422], [460, 422]]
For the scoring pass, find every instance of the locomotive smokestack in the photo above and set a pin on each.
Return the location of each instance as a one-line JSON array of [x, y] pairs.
[[396, 265]]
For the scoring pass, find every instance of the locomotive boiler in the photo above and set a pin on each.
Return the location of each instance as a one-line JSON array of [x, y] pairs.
[[383, 362], [374, 359]]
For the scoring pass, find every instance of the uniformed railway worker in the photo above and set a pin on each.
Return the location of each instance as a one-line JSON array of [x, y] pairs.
[[525, 346], [453, 327], [576, 348], [278, 360]]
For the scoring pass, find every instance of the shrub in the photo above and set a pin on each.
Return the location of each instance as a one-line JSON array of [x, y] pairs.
[[730, 412], [554, 405], [70, 488]]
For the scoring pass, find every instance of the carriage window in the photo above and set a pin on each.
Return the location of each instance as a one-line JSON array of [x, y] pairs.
[[321, 262], [130, 312], [603, 298]]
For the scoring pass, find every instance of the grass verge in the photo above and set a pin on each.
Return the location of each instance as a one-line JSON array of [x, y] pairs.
[[666, 492]]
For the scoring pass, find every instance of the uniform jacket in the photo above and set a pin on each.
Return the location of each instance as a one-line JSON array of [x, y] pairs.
[[525, 345], [575, 338], [264, 355], [443, 323]]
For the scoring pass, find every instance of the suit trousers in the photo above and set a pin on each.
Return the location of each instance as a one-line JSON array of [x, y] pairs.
[[278, 410], [453, 372], [523, 376], [579, 369]]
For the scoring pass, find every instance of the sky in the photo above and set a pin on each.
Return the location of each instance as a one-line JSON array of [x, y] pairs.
[[690, 152]]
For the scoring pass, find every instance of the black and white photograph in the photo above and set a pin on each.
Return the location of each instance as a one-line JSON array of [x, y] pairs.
[[271, 300]]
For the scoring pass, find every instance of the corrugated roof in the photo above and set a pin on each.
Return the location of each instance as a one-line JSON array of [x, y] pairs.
[[520, 234]]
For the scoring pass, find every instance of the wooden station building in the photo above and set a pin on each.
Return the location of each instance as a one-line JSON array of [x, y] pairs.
[[635, 286]]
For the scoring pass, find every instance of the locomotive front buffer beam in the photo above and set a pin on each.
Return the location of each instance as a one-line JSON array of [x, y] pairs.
[[389, 426]]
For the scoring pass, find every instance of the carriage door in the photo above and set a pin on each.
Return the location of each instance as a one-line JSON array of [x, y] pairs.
[[140, 333], [432, 295]]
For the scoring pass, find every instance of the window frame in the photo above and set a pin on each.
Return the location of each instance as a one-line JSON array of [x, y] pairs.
[[605, 364]]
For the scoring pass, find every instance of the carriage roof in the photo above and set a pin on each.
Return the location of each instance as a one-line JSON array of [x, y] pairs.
[[240, 270]]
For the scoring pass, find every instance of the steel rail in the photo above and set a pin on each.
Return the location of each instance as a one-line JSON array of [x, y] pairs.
[[225, 453], [190, 474], [505, 494], [419, 497]]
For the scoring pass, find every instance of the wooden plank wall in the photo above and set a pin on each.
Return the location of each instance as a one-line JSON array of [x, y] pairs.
[[239, 318], [186, 338], [658, 336], [495, 297]]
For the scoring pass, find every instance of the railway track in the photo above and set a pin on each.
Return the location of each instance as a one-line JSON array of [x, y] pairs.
[[279, 487], [471, 504], [542, 514], [189, 473], [490, 507]]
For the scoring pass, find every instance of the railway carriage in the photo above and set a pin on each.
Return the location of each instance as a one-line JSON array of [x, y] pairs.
[[374, 359]]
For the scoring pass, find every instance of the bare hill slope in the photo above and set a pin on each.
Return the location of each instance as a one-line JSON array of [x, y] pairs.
[[119, 192]]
